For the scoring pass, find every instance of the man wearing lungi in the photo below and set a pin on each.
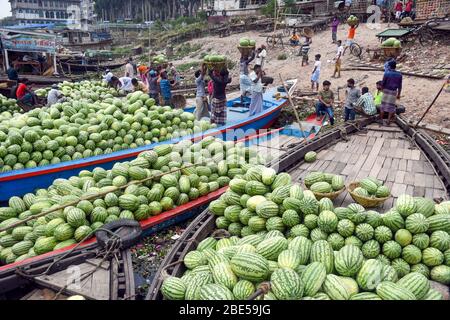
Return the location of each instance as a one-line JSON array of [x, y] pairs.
[[256, 105], [218, 109], [245, 83], [392, 88]]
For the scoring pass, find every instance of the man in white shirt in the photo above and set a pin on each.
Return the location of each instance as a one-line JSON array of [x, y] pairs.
[[316, 73], [108, 75], [337, 59], [256, 104], [129, 69], [123, 83], [54, 96], [261, 56]]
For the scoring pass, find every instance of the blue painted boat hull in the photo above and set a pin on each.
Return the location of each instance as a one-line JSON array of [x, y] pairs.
[[239, 125]]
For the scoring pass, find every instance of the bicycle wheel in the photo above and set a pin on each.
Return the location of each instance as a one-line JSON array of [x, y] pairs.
[[426, 38], [270, 40], [355, 50]]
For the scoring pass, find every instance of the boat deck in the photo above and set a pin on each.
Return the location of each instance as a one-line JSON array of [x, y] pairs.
[[385, 153]]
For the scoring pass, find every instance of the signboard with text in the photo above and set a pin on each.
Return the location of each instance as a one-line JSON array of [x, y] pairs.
[[28, 42]]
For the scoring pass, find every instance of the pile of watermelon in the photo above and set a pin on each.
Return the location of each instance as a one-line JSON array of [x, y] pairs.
[[216, 162], [372, 188], [310, 250], [214, 58], [322, 182], [84, 127], [8, 105], [246, 42], [392, 43], [86, 89]]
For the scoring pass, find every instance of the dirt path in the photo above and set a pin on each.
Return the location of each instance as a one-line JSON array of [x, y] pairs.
[[417, 93]]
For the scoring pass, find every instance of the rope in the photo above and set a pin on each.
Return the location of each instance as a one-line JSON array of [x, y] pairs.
[[94, 196]]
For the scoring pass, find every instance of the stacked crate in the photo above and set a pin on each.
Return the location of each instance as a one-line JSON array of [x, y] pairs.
[[426, 9]]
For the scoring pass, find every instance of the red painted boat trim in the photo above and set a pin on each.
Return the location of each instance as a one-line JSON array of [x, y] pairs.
[[85, 164], [145, 224]]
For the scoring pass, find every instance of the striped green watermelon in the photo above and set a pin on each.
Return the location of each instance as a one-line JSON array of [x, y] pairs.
[[282, 179], [387, 290], [310, 156], [371, 249], [336, 241], [290, 218], [364, 231], [321, 251], [412, 254], [280, 193], [432, 257], [206, 243], [243, 290], [267, 209], [416, 283], [292, 204], [416, 223], [405, 205], [393, 220], [440, 240], [250, 266], [327, 221], [345, 227], [214, 291], [173, 288], [313, 177], [441, 274], [424, 206], [370, 274], [309, 205], [268, 176], [335, 288], [321, 187], [348, 260], [421, 268], [286, 284], [392, 249], [313, 277], [288, 259], [222, 274], [401, 266], [369, 185], [271, 247], [439, 222], [337, 182], [383, 234], [296, 192], [433, 294], [302, 246], [365, 296]]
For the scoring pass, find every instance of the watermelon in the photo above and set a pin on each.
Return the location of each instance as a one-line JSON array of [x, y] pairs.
[[286, 284], [348, 260], [370, 274], [213, 291], [250, 266], [310, 156], [302, 246], [243, 290], [441, 274], [391, 291], [416, 283], [313, 277], [173, 288], [321, 251], [335, 288]]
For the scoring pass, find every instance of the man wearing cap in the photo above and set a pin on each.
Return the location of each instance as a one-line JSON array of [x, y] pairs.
[[54, 96]]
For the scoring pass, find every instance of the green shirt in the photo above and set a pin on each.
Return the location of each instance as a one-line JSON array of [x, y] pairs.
[[327, 96], [378, 96]]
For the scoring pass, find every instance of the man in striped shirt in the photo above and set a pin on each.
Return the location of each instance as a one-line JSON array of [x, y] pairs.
[[365, 104]]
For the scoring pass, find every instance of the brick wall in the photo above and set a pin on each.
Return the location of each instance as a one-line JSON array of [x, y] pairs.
[[426, 9]]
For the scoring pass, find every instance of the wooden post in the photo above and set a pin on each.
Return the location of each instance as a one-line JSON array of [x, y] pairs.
[[55, 65], [6, 59], [292, 104]]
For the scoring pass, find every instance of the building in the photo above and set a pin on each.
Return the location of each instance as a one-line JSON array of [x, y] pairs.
[[427, 9], [249, 7], [27, 12]]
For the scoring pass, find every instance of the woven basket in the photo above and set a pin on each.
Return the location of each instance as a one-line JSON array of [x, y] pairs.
[[215, 65], [246, 50], [364, 201], [391, 51], [331, 195]]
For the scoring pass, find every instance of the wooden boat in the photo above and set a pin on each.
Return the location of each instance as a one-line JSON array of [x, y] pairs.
[[80, 68], [239, 125], [408, 161]]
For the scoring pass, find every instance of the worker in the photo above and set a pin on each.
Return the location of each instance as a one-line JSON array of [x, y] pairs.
[[295, 39], [153, 86], [13, 73], [304, 50], [166, 89], [378, 96], [25, 94], [123, 84], [174, 73], [129, 69], [326, 102], [218, 109], [334, 28], [392, 89], [316, 73], [352, 95], [245, 83], [398, 8], [108, 75], [365, 104], [143, 71], [54, 96], [337, 59], [350, 37], [139, 85], [201, 100], [261, 56], [256, 104]]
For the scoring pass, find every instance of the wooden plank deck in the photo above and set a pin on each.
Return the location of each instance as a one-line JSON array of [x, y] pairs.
[[385, 154]]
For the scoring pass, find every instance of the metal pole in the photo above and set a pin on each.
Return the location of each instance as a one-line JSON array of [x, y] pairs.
[[6, 59]]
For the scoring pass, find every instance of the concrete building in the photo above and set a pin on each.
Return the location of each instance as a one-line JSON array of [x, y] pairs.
[[52, 11]]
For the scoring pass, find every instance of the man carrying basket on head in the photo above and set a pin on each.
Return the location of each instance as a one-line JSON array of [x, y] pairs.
[[245, 83]]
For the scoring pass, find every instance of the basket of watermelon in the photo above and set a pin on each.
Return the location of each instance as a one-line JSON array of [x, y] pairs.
[[161, 60], [369, 192], [324, 185], [352, 20], [246, 46], [215, 61], [392, 47]]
